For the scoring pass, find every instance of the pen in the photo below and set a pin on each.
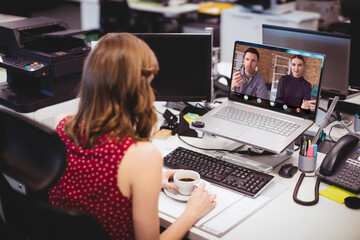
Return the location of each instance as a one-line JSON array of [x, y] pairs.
[[310, 151], [315, 149], [302, 145], [305, 147]]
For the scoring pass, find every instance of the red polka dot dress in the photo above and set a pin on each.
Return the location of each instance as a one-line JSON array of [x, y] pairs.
[[90, 184]]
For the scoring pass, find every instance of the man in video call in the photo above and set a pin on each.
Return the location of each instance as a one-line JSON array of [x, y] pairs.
[[247, 80]]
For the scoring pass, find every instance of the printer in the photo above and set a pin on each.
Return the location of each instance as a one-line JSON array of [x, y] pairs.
[[43, 61]]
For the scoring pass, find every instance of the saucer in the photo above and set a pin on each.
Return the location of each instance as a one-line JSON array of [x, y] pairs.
[[176, 195], [184, 198]]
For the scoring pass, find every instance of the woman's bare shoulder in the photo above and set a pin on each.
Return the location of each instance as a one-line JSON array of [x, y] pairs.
[[143, 152]]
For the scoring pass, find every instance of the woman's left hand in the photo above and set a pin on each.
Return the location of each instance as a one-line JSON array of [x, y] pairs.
[[166, 176]]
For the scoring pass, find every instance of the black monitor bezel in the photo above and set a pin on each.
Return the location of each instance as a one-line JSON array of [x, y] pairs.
[[207, 59]]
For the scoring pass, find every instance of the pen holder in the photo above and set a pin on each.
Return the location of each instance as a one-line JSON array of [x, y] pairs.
[[307, 164]]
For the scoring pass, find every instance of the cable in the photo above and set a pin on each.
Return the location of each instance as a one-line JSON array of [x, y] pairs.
[[316, 191], [206, 149], [158, 111], [296, 149], [199, 105], [322, 109]]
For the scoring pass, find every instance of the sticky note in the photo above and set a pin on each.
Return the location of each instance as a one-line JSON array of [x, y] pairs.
[[189, 120], [193, 116], [336, 194], [190, 117]]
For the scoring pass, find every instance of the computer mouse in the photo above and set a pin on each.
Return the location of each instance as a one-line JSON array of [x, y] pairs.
[[288, 170], [198, 124]]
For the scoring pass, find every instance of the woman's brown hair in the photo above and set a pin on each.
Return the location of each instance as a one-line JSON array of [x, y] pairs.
[[115, 93]]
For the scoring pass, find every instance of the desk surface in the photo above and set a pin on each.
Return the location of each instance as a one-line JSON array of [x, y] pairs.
[[281, 218]]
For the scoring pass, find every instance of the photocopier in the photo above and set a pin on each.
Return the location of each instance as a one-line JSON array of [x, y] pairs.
[[43, 61]]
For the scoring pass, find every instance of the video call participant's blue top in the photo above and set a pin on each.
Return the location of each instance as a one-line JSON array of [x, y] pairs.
[[254, 86]]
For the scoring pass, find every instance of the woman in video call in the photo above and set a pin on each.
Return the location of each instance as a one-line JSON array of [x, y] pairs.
[[114, 173], [293, 90]]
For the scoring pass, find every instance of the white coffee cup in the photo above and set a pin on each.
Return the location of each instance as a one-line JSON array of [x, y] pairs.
[[186, 181]]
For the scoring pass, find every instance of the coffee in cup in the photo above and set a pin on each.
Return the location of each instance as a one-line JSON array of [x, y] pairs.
[[186, 181]]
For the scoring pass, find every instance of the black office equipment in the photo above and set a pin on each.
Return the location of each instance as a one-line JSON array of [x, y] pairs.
[[240, 179], [341, 164], [351, 9], [185, 66], [352, 202], [288, 170], [43, 60], [32, 160], [170, 122]]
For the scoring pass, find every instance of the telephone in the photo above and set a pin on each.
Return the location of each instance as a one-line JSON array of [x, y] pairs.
[[341, 165]]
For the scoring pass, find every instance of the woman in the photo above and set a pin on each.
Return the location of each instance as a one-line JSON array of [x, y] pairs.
[[114, 173], [293, 90]]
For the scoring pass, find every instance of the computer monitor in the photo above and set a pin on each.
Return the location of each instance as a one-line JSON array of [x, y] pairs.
[[336, 47], [185, 66]]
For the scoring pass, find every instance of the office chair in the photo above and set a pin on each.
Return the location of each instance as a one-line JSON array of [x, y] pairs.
[[32, 160]]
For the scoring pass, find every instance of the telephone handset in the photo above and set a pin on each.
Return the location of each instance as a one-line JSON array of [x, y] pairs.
[[341, 165]]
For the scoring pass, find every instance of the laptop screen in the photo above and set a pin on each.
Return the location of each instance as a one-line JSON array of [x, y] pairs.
[[280, 79]]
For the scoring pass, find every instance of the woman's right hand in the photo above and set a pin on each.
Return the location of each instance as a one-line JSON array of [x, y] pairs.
[[200, 202]]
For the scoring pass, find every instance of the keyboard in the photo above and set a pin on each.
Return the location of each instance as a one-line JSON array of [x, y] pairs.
[[231, 176], [255, 120]]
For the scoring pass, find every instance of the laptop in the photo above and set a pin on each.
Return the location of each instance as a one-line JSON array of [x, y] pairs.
[[280, 102]]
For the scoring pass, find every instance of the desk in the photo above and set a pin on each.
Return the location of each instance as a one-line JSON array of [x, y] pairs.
[[281, 218], [90, 11]]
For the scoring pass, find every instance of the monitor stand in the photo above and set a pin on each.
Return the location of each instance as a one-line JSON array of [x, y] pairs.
[[260, 162]]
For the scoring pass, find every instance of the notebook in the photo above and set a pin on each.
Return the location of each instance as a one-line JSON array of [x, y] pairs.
[[275, 93]]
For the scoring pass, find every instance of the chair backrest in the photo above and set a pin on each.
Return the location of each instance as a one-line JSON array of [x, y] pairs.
[[32, 160]]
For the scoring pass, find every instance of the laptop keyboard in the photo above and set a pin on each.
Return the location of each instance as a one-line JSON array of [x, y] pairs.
[[231, 176], [259, 121]]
